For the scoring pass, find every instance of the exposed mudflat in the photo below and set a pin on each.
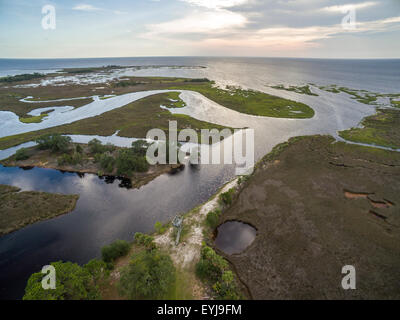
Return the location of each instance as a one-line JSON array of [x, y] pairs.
[[317, 207]]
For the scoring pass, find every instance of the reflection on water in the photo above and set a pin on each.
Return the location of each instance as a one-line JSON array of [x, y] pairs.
[[106, 210], [234, 236]]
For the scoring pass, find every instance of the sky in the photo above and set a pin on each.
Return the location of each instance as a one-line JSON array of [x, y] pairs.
[[261, 28]]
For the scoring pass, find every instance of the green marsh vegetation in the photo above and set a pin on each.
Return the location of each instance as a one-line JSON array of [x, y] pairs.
[[34, 119], [175, 101], [9, 101], [380, 129], [298, 89], [251, 102], [362, 96], [133, 120], [22, 77], [395, 103], [18, 209]]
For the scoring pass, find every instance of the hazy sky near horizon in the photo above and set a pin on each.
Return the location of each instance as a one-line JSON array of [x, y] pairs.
[[127, 28]]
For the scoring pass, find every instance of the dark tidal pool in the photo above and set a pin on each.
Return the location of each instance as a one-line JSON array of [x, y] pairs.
[[234, 236], [106, 210]]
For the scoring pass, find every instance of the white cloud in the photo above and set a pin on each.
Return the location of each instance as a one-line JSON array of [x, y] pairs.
[[216, 4], [346, 7], [287, 37], [199, 22], [90, 8], [85, 7]]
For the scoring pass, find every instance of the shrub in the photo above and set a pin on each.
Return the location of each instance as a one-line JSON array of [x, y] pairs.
[[106, 162], [144, 240], [97, 269], [78, 148], [160, 229], [95, 146], [21, 154], [149, 275], [127, 162], [54, 142], [226, 288], [211, 266], [118, 248], [72, 283], [215, 270], [212, 218], [243, 179], [227, 197], [64, 159], [139, 147], [75, 159]]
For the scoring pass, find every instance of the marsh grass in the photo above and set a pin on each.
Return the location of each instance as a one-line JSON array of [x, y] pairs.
[[379, 129]]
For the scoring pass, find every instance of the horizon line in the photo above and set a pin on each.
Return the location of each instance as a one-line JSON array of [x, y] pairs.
[[201, 56]]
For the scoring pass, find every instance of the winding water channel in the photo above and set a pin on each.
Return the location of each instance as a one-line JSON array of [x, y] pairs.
[[107, 210]]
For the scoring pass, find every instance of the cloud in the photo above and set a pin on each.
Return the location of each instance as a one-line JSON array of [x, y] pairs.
[[90, 8], [216, 4], [347, 7], [199, 22], [286, 37], [86, 7]]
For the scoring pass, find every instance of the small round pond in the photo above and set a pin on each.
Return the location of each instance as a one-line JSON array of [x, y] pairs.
[[234, 236]]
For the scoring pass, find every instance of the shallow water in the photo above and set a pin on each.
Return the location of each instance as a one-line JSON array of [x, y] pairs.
[[106, 212], [234, 236]]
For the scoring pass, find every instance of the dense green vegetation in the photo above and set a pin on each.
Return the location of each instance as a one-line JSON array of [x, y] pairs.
[[149, 275], [128, 162], [21, 154], [380, 129], [227, 197], [212, 218], [22, 77], [302, 90], [73, 282], [160, 228], [145, 240], [252, 102], [70, 159], [54, 142], [395, 103], [214, 270], [118, 248]]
